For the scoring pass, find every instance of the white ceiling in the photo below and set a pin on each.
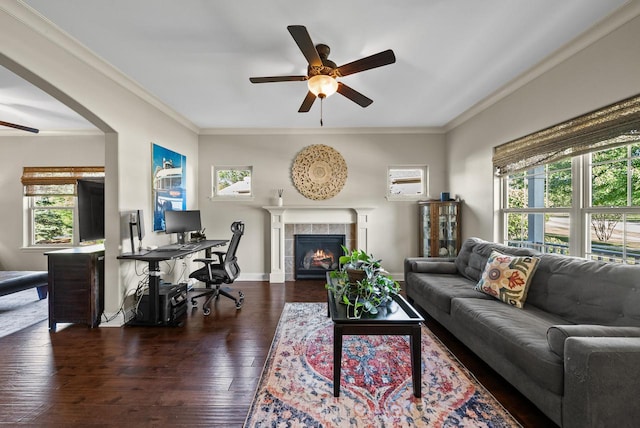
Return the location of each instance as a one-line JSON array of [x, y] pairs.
[[196, 56]]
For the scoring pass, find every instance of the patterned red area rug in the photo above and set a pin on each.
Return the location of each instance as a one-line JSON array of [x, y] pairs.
[[296, 387]]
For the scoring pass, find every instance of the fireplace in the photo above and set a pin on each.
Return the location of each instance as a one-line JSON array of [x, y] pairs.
[[314, 255]]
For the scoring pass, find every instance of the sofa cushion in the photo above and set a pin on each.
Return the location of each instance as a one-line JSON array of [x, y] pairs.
[[520, 335], [587, 291], [557, 334], [439, 289], [507, 277], [474, 253]]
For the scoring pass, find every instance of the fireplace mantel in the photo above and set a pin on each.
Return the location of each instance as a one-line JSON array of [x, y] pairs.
[[309, 214]]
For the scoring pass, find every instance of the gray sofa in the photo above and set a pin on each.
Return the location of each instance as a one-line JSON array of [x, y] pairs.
[[573, 349]]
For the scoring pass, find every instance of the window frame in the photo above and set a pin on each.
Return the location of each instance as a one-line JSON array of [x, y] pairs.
[[215, 180], [580, 243], [31, 226], [424, 183]]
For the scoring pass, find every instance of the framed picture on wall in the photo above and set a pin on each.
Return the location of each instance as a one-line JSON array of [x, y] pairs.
[[168, 183]]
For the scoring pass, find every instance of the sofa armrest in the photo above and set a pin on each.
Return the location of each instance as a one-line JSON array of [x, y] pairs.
[[429, 265], [602, 382], [558, 334]]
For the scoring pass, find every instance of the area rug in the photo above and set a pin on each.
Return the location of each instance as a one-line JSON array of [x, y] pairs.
[[296, 387], [21, 310]]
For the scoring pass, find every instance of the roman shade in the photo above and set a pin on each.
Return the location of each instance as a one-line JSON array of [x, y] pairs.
[[615, 125], [57, 180]]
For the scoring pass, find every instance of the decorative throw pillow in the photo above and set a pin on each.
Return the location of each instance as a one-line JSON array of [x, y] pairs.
[[507, 278]]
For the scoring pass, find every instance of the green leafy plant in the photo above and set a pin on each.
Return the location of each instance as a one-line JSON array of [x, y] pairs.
[[364, 292]]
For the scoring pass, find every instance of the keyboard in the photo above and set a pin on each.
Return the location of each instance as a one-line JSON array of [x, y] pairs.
[[177, 247], [170, 247]]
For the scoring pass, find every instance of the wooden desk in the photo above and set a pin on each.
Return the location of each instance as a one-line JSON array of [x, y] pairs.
[[153, 258]]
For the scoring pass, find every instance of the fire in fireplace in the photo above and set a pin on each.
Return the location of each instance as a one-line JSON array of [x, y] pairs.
[[314, 255]]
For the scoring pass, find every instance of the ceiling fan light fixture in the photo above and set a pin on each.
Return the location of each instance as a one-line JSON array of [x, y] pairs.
[[322, 85]]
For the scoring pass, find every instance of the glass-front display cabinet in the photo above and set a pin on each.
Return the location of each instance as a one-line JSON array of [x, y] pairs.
[[439, 228]]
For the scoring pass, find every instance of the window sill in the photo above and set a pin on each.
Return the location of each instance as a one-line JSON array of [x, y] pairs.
[[412, 198], [231, 198], [44, 248]]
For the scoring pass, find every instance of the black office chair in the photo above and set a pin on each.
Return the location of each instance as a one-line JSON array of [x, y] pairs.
[[223, 269]]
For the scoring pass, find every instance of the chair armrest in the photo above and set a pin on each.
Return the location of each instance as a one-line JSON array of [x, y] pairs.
[[602, 381], [208, 261]]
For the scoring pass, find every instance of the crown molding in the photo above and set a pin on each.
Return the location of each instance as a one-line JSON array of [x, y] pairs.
[[615, 20], [53, 133], [321, 131], [30, 17]]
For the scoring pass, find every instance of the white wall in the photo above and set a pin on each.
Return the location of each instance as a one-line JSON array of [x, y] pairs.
[[605, 72], [394, 225]]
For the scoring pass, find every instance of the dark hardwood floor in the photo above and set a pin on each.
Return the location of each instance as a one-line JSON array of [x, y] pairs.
[[201, 374]]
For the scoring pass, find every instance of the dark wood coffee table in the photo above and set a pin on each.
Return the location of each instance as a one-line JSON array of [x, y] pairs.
[[397, 318]]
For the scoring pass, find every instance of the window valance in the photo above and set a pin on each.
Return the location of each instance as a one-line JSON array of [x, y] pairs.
[[57, 180], [615, 125]]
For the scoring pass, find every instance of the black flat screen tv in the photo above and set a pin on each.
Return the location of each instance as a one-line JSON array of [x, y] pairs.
[[90, 210]]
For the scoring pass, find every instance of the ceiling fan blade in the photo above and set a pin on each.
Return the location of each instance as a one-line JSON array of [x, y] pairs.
[[354, 95], [303, 40], [367, 63], [20, 127], [277, 79], [307, 103]]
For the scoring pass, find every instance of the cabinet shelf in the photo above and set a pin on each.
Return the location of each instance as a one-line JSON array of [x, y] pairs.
[[440, 228]]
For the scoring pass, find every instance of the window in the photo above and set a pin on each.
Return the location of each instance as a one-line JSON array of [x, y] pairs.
[[50, 201], [232, 182], [537, 207], [406, 182], [574, 188], [613, 212], [541, 204]]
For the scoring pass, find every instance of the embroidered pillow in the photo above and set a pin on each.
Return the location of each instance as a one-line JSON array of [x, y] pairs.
[[507, 278]]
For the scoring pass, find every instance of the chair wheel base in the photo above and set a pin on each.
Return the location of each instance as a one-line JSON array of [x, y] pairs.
[[206, 311], [240, 300]]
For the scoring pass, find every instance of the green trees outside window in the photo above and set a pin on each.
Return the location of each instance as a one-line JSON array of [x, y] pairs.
[[540, 205], [53, 219]]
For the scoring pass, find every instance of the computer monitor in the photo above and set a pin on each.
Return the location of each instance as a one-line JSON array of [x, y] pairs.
[[182, 222]]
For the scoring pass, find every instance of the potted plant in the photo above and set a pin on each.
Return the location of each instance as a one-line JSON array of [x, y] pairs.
[[361, 283]]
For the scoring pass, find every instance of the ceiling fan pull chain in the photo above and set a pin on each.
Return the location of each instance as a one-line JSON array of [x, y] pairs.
[[321, 99]]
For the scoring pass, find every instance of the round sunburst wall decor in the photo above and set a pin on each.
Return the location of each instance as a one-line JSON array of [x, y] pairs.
[[319, 172]]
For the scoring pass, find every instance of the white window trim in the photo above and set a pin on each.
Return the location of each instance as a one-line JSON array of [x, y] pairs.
[[214, 184], [579, 229], [425, 184], [29, 230]]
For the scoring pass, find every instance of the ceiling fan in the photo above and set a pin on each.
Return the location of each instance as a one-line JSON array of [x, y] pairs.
[[20, 127], [322, 72]]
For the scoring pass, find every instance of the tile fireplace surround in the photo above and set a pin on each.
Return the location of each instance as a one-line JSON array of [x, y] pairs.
[[286, 220]]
